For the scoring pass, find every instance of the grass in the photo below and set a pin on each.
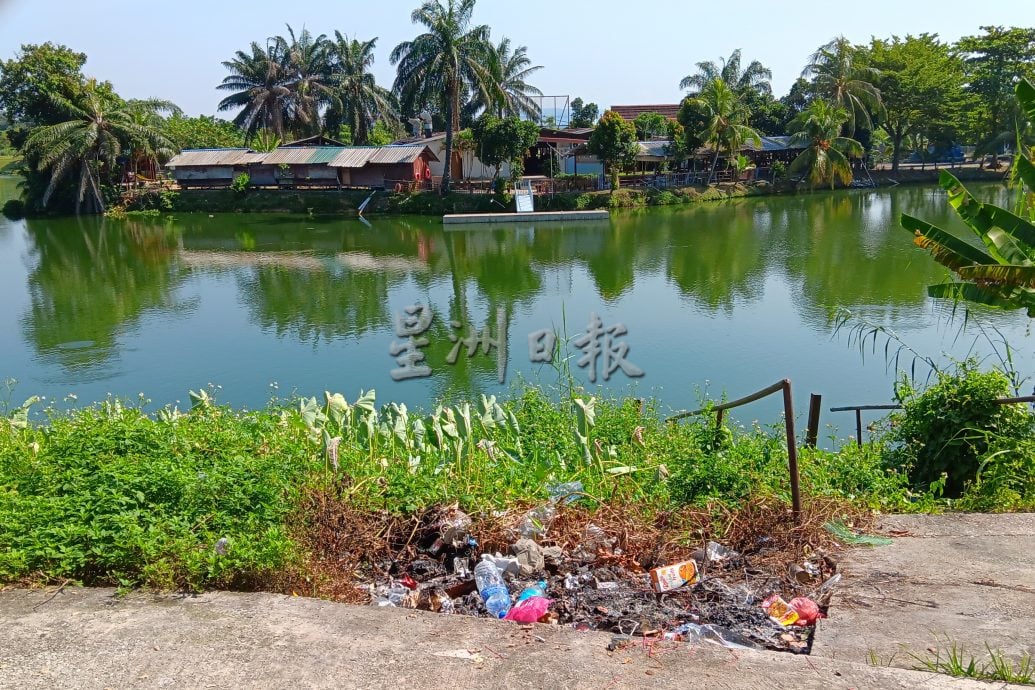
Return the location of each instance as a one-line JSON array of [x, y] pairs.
[[956, 662], [9, 164], [303, 494]]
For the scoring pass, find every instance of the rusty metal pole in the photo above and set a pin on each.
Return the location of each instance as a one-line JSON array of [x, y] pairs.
[[858, 427], [792, 449], [812, 430], [718, 417]]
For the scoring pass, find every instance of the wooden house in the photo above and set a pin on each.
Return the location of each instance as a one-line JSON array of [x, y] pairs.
[[211, 167]]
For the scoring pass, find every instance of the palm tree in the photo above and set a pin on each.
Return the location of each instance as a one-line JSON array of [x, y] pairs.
[[356, 98], [148, 113], [509, 71], [753, 79], [259, 88], [89, 142], [444, 63], [725, 116], [825, 158], [305, 60], [837, 78]]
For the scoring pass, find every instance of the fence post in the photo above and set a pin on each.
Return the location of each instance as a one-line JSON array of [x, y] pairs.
[[812, 430], [718, 417], [792, 449], [858, 427]]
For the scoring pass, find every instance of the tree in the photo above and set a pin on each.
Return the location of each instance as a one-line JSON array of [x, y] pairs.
[[796, 99], [88, 143], [999, 271], [203, 132], [504, 140], [583, 115], [31, 82], [995, 62], [755, 78], [356, 99], [838, 78], [725, 117], [382, 134], [259, 89], [825, 158], [650, 125], [919, 81], [509, 70], [444, 63], [305, 62], [614, 143], [768, 115]]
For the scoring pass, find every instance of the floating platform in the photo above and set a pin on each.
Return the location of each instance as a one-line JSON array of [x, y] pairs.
[[534, 217]]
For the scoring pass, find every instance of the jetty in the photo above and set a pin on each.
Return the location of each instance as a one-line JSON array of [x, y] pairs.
[[531, 216]]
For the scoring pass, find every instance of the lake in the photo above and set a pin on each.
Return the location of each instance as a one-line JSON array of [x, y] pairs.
[[674, 303]]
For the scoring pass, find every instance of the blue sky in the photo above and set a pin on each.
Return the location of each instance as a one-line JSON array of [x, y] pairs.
[[607, 52]]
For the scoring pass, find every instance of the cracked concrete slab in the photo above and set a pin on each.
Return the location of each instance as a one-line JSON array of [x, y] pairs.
[[967, 579], [85, 638]]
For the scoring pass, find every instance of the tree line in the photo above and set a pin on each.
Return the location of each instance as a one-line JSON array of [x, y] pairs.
[[76, 135]]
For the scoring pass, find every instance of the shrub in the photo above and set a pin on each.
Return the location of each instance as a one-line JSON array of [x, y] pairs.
[[14, 209], [951, 427], [241, 183]]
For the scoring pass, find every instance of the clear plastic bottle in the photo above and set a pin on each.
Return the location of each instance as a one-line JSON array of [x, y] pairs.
[[536, 590], [489, 580]]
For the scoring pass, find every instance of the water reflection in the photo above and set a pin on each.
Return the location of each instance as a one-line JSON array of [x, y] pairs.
[[93, 279], [291, 297]]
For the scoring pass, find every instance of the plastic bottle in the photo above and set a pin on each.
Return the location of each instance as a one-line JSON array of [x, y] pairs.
[[489, 580], [536, 590]]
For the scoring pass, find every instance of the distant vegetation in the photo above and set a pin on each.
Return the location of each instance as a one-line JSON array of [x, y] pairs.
[[911, 95]]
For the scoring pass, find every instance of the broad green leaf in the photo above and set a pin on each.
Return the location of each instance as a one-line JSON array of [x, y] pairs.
[[948, 249], [1026, 97], [1020, 276], [366, 401]]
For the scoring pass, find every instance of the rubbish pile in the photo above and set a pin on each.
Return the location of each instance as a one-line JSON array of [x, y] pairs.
[[715, 596]]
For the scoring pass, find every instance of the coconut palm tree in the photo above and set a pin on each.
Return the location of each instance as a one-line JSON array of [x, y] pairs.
[[825, 158], [356, 99], [837, 78], [306, 63], [755, 78], [148, 113], [444, 63], [258, 83], [510, 71], [88, 143], [725, 116]]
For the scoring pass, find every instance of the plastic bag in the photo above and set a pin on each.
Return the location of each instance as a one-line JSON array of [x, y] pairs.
[[714, 634], [529, 611]]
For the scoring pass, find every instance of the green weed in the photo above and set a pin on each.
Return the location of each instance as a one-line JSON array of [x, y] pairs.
[[955, 661]]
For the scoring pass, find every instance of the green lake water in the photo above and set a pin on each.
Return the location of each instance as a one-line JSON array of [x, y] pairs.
[[723, 297]]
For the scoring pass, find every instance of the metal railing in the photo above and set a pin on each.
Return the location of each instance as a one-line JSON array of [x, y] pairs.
[[788, 415], [858, 409]]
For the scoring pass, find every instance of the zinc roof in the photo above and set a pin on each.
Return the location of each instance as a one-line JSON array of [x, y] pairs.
[[357, 157], [302, 155], [203, 157]]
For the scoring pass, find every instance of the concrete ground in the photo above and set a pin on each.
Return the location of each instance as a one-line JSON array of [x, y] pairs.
[[969, 577], [963, 578]]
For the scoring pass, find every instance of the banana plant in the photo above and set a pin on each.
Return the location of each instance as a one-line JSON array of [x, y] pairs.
[[1002, 273]]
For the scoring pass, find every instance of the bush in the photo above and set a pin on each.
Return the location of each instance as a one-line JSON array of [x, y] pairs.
[[241, 183], [950, 428], [14, 209]]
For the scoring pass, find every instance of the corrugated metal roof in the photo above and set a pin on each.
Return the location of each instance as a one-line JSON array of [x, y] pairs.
[[352, 157], [204, 157], [390, 155], [653, 150], [359, 156], [629, 112], [303, 155]]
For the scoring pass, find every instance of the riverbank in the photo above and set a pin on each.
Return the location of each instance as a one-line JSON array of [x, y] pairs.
[[434, 204]]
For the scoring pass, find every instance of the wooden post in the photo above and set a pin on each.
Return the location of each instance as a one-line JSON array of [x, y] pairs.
[[858, 427], [792, 450], [812, 430], [718, 417]]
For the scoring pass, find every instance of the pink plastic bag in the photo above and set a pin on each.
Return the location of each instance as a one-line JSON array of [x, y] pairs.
[[530, 610]]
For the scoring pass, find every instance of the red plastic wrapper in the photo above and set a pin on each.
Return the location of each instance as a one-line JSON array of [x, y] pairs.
[[808, 611], [529, 611]]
